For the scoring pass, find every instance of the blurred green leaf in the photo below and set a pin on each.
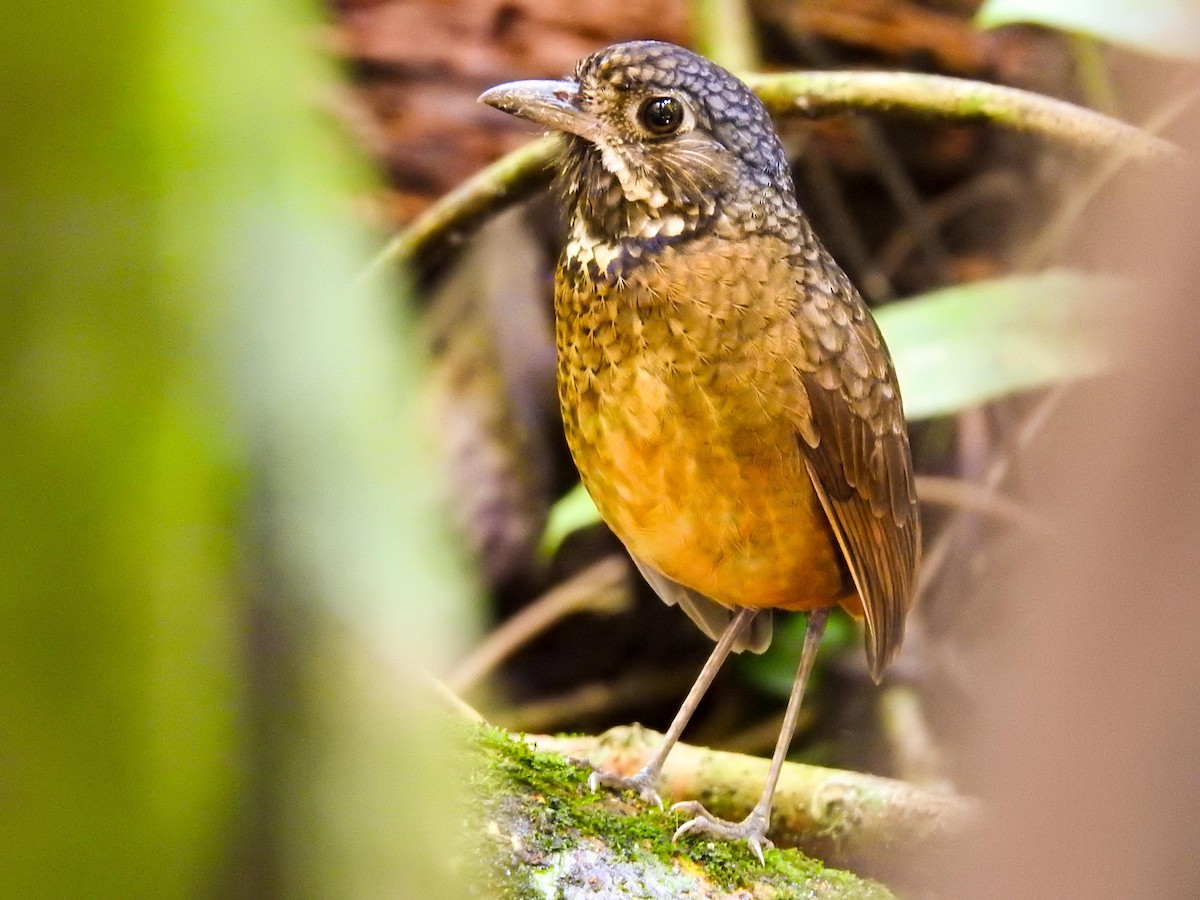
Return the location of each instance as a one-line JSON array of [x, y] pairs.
[[774, 671], [963, 346], [960, 347], [122, 688], [573, 511], [1164, 27], [201, 417]]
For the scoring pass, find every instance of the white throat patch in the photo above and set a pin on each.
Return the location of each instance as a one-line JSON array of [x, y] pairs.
[[637, 188], [584, 247]]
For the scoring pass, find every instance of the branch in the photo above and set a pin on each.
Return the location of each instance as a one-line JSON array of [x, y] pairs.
[[539, 832], [530, 168], [956, 100], [450, 220], [845, 818]]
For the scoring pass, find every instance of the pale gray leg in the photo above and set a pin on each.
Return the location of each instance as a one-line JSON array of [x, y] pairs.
[[753, 828], [645, 782]]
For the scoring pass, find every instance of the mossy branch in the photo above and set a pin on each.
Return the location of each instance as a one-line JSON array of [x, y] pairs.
[[845, 818], [524, 171], [542, 833]]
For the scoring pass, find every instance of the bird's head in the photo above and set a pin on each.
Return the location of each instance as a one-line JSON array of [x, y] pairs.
[[660, 141]]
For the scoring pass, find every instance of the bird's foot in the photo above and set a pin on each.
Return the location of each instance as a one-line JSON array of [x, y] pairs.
[[645, 783], [752, 829]]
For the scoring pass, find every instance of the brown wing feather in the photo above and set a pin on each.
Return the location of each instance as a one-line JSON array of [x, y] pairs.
[[856, 451]]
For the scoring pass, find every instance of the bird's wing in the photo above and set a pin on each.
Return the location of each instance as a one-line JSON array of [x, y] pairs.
[[856, 449], [709, 615]]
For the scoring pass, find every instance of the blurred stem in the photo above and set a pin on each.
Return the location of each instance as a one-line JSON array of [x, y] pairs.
[[937, 553], [452, 702], [1095, 77], [893, 176], [917, 758], [636, 690], [530, 168], [723, 31], [449, 221], [959, 493], [600, 588], [843, 230], [1053, 235]]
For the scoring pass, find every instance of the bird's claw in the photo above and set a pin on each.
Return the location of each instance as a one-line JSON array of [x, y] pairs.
[[643, 783], [752, 829]]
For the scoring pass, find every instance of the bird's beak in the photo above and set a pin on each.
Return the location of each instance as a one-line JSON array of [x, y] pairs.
[[554, 104]]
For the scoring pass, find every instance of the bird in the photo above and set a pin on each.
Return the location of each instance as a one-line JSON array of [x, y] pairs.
[[726, 395]]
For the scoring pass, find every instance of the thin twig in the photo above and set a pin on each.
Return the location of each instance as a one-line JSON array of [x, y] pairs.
[[990, 186], [634, 690], [842, 228], [452, 701], [454, 216], [958, 493], [936, 555], [405, 672], [891, 172], [600, 588], [898, 184]]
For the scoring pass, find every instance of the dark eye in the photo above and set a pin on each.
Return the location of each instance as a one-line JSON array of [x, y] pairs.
[[661, 115]]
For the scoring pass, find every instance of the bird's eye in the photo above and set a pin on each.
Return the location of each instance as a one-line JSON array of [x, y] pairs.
[[661, 115]]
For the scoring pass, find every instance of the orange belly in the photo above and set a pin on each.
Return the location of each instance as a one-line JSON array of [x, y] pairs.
[[679, 398], [720, 504]]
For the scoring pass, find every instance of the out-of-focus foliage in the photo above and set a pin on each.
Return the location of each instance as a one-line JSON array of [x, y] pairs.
[[199, 412], [962, 346], [775, 670], [574, 510], [1165, 27]]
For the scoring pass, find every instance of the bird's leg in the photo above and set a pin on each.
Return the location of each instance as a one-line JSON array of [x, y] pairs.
[[753, 828], [645, 782]]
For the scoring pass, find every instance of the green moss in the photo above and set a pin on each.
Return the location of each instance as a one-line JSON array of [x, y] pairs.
[[547, 827]]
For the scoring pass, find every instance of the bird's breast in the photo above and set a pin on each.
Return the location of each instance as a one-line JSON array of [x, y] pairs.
[[679, 395]]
